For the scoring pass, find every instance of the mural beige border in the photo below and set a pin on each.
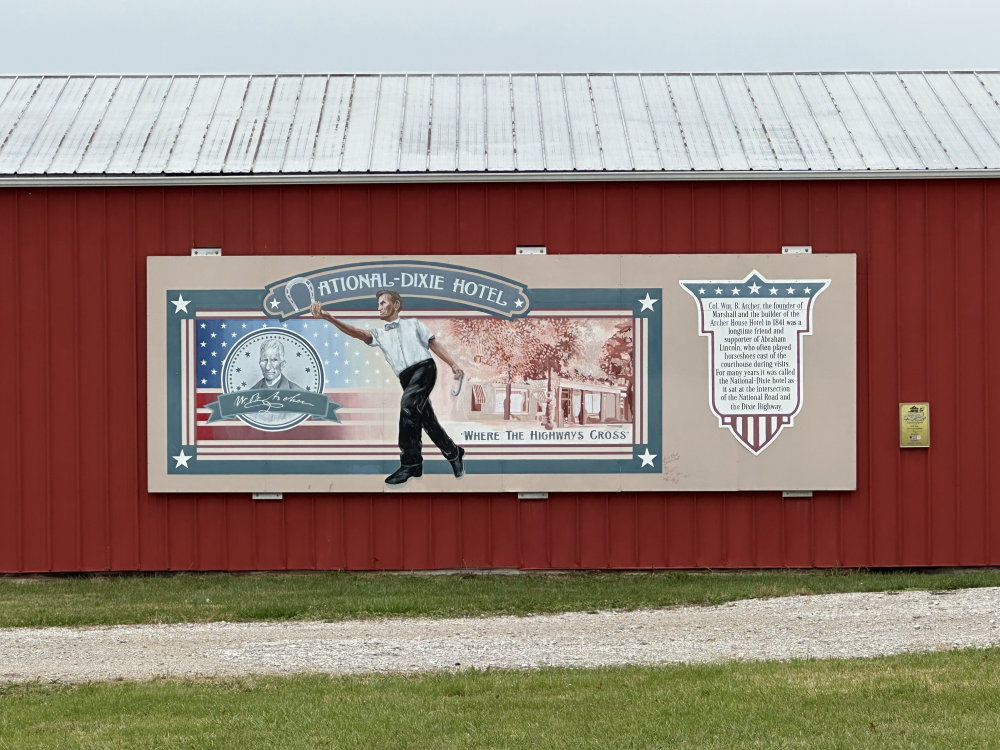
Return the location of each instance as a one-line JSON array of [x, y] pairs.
[[817, 453]]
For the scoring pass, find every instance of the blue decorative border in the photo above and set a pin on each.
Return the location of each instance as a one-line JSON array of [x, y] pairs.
[[542, 300]]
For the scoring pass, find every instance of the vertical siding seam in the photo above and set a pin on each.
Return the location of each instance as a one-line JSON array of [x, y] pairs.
[[138, 489], [900, 551], [987, 331], [929, 469], [959, 476], [40, 128], [77, 337], [18, 449], [865, 315], [180, 126], [46, 259]]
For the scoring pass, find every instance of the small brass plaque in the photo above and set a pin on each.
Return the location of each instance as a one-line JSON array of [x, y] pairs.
[[915, 425]]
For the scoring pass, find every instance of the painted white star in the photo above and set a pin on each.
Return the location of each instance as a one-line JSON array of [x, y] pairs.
[[180, 304], [203, 381], [223, 325], [519, 303], [647, 303], [774, 290], [182, 460], [647, 458], [808, 290], [755, 288], [274, 303], [736, 291], [244, 325], [202, 344], [718, 290], [701, 290], [202, 325], [791, 290], [212, 334]]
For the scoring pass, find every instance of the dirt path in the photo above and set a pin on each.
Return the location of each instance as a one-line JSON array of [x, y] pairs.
[[828, 626]]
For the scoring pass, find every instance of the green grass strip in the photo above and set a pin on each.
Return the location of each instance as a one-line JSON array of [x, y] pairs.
[[136, 599], [945, 700]]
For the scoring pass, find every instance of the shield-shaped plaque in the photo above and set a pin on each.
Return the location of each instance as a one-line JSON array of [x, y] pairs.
[[755, 328]]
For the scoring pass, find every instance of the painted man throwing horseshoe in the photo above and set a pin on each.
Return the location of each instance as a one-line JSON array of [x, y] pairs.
[[407, 345]]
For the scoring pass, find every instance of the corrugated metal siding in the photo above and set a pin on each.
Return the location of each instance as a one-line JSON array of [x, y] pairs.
[[74, 462], [650, 124]]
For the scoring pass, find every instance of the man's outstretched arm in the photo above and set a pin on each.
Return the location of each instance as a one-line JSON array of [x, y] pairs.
[[316, 308], [438, 348]]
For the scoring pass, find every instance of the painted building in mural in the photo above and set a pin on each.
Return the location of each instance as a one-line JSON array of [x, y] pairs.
[[752, 292]]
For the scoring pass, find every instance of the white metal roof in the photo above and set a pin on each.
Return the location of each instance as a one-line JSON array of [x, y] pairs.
[[56, 129]]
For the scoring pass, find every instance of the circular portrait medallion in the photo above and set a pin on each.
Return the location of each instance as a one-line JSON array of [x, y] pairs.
[[269, 365]]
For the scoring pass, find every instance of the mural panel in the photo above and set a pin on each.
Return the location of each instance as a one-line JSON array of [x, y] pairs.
[[486, 373]]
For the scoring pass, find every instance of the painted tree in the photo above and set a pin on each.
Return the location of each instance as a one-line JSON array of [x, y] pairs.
[[521, 349], [617, 360], [558, 342], [508, 346]]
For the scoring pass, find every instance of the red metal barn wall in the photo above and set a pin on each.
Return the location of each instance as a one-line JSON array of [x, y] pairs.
[[74, 309]]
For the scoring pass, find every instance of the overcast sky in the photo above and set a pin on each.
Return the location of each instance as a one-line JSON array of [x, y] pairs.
[[257, 36]]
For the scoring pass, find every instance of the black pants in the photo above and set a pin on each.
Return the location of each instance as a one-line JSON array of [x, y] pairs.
[[416, 414]]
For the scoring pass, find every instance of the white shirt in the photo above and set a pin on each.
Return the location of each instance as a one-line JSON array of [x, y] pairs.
[[403, 345]]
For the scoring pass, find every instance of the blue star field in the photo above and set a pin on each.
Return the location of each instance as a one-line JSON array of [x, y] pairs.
[[347, 362]]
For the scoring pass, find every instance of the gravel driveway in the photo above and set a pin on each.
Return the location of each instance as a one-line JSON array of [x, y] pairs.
[[823, 627]]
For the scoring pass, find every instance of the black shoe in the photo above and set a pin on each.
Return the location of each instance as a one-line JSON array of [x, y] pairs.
[[403, 474], [457, 464]]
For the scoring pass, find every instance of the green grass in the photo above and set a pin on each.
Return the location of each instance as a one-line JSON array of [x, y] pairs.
[[131, 599], [947, 700]]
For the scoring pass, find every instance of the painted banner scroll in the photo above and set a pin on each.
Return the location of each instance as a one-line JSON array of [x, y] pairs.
[[575, 373]]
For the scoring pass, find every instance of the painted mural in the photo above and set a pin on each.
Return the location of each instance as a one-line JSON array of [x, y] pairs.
[[378, 375]]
